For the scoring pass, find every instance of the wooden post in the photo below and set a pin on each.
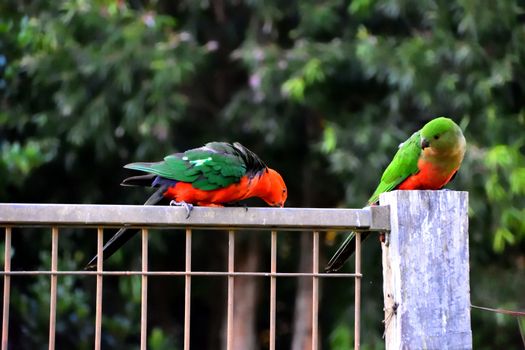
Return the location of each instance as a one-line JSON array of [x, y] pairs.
[[426, 271]]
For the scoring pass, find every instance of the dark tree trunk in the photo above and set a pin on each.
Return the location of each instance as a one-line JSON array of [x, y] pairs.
[[247, 258], [302, 328]]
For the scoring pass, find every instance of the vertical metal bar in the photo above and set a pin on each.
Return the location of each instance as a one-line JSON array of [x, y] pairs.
[[315, 292], [231, 256], [187, 292], [98, 307], [7, 288], [144, 293], [273, 288], [357, 322], [53, 292]]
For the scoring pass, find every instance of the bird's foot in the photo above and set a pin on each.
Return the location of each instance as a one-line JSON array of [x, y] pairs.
[[187, 206]]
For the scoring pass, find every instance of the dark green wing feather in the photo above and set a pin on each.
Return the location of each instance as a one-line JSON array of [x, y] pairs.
[[213, 166], [401, 167]]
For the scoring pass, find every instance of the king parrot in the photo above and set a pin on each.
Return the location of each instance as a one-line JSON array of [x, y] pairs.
[[215, 174], [428, 160]]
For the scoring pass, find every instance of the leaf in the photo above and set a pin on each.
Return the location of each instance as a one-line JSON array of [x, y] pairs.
[[517, 181], [501, 155], [341, 338], [313, 72], [329, 139], [501, 238], [294, 88]]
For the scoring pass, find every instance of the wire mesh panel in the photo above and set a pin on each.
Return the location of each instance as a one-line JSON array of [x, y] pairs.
[[269, 220]]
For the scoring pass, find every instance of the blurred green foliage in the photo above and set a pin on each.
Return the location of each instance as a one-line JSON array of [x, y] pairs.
[[320, 89]]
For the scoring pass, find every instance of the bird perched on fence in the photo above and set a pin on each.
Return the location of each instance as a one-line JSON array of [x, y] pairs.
[[428, 160], [213, 175]]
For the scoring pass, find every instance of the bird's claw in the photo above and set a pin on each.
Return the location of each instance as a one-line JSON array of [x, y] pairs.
[[187, 206]]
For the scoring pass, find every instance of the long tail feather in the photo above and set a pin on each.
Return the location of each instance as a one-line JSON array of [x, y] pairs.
[[139, 180], [345, 251], [123, 235]]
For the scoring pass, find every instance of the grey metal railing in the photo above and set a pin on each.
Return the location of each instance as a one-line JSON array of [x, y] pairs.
[[231, 219]]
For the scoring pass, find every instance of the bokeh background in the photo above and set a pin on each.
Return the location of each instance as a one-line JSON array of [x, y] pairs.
[[323, 91]]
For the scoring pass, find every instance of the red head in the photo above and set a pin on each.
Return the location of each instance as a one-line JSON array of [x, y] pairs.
[[271, 188]]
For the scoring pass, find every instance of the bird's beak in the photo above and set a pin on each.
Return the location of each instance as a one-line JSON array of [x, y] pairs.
[[424, 143]]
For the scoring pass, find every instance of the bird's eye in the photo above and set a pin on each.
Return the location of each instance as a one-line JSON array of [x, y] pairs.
[[436, 137]]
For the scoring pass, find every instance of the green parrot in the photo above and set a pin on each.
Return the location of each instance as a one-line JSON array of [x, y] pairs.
[[428, 160]]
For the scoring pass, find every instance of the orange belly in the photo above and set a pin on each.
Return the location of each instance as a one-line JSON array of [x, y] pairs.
[[185, 192], [429, 177]]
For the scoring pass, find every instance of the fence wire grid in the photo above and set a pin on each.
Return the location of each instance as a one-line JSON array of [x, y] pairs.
[[271, 220]]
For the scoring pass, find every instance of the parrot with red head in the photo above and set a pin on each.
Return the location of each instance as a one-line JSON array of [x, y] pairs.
[[213, 175]]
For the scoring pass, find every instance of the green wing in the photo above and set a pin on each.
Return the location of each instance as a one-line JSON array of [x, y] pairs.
[[401, 167], [215, 165]]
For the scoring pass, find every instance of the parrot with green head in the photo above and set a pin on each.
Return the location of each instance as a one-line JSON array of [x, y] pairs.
[[213, 175], [428, 160]]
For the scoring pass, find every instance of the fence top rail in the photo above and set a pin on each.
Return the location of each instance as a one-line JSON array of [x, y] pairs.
[[376, 218]]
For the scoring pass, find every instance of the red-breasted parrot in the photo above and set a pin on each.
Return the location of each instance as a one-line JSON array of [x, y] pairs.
[[215, 174], [426, 161]]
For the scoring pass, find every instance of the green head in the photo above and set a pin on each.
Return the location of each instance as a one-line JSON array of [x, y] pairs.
[[441, 136]]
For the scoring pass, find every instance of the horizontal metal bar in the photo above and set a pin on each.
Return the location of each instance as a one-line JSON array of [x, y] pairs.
[[375, 218], [179, 273]]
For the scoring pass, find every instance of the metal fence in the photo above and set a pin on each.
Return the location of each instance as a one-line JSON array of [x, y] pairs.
[[272, 220]]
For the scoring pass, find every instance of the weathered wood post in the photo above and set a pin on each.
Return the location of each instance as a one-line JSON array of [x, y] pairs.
[[426, 271]]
